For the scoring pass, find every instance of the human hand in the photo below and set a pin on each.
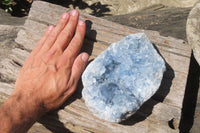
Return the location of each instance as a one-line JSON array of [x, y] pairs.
[[49, 75], [51, 72]]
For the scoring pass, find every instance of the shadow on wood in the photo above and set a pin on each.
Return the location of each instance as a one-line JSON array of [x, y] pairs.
[[190, 98], [51, 122]]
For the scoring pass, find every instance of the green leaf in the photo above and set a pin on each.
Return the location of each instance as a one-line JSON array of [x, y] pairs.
[[6, 2]]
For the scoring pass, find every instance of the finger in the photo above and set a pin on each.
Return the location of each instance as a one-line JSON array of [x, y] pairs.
[[66, 35], [54, 34], [76, 43], [74, 47], [43, 39], [78, 67], [40, 44]]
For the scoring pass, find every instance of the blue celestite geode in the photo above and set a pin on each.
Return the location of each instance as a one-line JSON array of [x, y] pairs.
[[122, 78]]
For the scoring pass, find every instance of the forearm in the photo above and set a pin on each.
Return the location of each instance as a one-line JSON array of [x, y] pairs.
[[18, 114]]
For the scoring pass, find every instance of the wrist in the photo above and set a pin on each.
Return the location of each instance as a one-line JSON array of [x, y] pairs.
[[19, 112], [27, 105]]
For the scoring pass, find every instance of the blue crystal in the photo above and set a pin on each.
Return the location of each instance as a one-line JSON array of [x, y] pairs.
[[122, 78]]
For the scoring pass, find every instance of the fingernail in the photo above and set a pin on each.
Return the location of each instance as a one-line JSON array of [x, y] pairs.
[[81, 22], [64, 16], [74, 13], [85, 57], [51, 27]]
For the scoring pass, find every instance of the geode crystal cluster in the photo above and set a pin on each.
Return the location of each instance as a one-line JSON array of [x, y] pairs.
[[122, 78]]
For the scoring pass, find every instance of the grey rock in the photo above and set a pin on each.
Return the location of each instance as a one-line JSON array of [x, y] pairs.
[[193, 36], [118, 7], [168, 21], [122, 78], [193, 31], [7, 19]]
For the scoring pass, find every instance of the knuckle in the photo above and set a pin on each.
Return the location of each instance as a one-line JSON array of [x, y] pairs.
[[76, 41], [78, 66], [71, 51], [62, 22], [67, 33], [52, 35]]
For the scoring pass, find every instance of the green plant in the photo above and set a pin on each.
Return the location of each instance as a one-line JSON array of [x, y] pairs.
[[7, 5], [6, 2]]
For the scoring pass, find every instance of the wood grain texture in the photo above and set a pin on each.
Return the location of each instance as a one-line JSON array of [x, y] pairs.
[[154, 116]]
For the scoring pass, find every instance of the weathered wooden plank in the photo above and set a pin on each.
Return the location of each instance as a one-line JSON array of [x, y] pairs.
[[101, 25], [153, 116], [174, 94], [6, 88], [9, 70], [77, 114], [173, 58], [171, 53], [5, 91]]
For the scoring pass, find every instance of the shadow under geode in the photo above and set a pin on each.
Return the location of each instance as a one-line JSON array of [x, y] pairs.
[[146, 109]]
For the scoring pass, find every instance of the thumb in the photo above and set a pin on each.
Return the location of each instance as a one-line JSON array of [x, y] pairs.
[[79, 66]]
